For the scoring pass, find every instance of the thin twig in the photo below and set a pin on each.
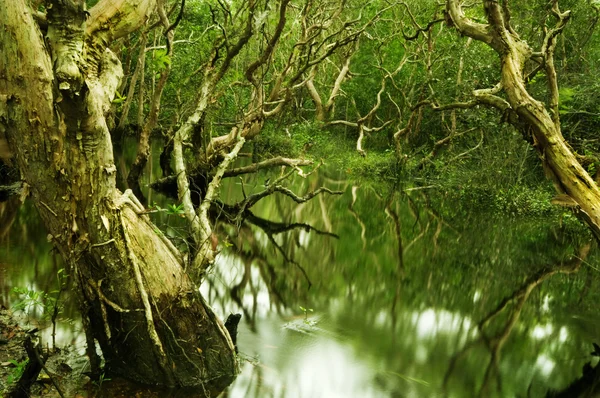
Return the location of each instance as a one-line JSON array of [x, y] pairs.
[[104, 243]]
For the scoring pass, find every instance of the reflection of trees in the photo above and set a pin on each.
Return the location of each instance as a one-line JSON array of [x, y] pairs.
[[271, 238], [419, 216], [8, 214], [418, 255], [363, 228], [241, 215], [391, 212], [585, 386], [495, 342]]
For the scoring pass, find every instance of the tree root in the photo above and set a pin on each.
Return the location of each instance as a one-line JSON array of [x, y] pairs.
[[159, 351]]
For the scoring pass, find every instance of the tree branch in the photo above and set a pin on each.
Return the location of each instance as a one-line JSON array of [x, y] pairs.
[[465, 25]]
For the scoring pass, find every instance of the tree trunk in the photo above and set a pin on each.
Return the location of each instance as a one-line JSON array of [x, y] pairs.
[[138, 303]]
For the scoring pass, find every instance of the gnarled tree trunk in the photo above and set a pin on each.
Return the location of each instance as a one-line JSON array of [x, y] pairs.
[[138, 303], [522, 109]]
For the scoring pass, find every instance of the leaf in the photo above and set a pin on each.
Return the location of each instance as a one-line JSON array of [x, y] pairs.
[[161, 60]]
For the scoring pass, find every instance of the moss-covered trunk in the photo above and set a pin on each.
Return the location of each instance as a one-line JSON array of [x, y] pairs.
[[138, 303]]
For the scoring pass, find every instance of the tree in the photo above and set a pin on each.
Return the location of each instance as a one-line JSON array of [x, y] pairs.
[[538, 122], [58, 80], [138, 297]]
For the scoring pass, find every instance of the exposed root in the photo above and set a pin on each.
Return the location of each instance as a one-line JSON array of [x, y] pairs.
[[158, 348], [104, 300], [129, 198]]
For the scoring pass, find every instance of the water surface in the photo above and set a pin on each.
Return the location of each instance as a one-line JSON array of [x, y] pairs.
[[417, 296]]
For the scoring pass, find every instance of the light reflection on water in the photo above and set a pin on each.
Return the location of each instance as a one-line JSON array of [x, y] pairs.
[[292, 364], [297, 361], [378, 331]]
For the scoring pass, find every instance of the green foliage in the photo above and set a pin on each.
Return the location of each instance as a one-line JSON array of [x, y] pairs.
[[306, 311], [98, 383], [17, 371], [119, 99], [172, 209], [160, 60], [40, 304], [31, 302], [274, 141], [566, 96]]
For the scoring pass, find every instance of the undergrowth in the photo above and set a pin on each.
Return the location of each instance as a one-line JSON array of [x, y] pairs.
[[503, 176]]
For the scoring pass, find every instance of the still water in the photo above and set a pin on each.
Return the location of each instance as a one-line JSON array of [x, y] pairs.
[[393, 291]]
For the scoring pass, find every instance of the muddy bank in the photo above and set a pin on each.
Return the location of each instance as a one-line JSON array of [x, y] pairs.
[[59, 369]]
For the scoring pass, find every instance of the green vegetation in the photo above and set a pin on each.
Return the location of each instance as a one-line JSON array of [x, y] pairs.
[[306, 311], [455, 134], [17, 371]]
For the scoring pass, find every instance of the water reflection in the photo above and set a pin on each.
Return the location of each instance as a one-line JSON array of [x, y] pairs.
[[418, 297], [429, 301]]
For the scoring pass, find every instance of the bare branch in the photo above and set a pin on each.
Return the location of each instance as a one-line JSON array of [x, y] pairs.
[[548, 53], [274, 162], [205, 254], [418, 27]]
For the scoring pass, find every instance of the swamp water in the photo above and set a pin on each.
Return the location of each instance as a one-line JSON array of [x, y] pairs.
[[416, 297]]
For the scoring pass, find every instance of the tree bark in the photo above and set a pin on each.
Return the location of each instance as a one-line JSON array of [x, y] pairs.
[[147, 316]]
